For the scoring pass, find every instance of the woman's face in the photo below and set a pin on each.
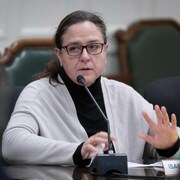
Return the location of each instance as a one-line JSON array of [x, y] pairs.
[[88, 65]]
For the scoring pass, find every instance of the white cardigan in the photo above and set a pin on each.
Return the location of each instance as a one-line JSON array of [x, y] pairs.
[[44, 127]]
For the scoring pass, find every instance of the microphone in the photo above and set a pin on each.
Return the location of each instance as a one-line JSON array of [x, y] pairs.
[[105, 163], [81, 80]]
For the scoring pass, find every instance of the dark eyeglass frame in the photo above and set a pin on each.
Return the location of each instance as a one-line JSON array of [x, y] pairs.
[[82, 48]]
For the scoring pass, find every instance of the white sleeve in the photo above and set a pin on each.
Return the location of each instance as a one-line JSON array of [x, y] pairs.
[[21, 145], [38, 134]]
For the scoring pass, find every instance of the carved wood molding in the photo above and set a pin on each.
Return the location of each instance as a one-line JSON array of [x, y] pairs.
[[127, 35]]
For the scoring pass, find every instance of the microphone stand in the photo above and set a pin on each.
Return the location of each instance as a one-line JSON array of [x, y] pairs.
[[105, 163]]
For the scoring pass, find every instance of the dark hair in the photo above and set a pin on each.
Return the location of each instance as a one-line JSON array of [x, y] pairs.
[[77, 17], [52, 68]]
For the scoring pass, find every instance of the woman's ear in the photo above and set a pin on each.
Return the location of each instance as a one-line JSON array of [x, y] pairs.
[[106, 46], [58, 54]]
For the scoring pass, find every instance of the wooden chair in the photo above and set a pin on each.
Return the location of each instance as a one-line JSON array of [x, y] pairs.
[[23, 59], [149, 50]]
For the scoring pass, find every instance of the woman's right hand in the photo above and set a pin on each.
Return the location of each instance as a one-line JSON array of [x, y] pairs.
[[91, 145]]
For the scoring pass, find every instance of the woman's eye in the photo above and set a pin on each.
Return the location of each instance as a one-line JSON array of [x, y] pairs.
[[73, 48], [93, 46]]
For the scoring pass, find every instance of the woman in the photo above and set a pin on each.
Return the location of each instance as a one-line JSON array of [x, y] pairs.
[[56, 122]]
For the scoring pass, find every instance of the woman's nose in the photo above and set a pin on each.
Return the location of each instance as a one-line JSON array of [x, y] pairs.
[[85, 55]]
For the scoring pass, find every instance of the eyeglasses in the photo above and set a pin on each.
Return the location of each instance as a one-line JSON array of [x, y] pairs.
[[75, 49]]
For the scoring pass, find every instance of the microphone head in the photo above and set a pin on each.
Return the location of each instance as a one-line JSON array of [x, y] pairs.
[[81, 80]]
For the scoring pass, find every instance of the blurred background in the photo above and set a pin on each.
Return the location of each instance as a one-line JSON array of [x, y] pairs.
[[39, 18]]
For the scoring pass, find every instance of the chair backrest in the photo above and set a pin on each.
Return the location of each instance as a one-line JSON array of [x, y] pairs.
[[23, 59], [149, 50], [165, 92]]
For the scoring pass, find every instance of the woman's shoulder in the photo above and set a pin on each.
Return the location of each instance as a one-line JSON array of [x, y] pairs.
[[39, 87], [126, 94], [38, 84], [116, 84], [120, 89]]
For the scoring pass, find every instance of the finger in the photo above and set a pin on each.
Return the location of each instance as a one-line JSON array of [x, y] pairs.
[[90, 148], [100, 148], [147, 138], [87, 149], [102, 136], [158, 115], [173, 121], [150, 122], [96, 140], [165, 116], [114, 138]]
